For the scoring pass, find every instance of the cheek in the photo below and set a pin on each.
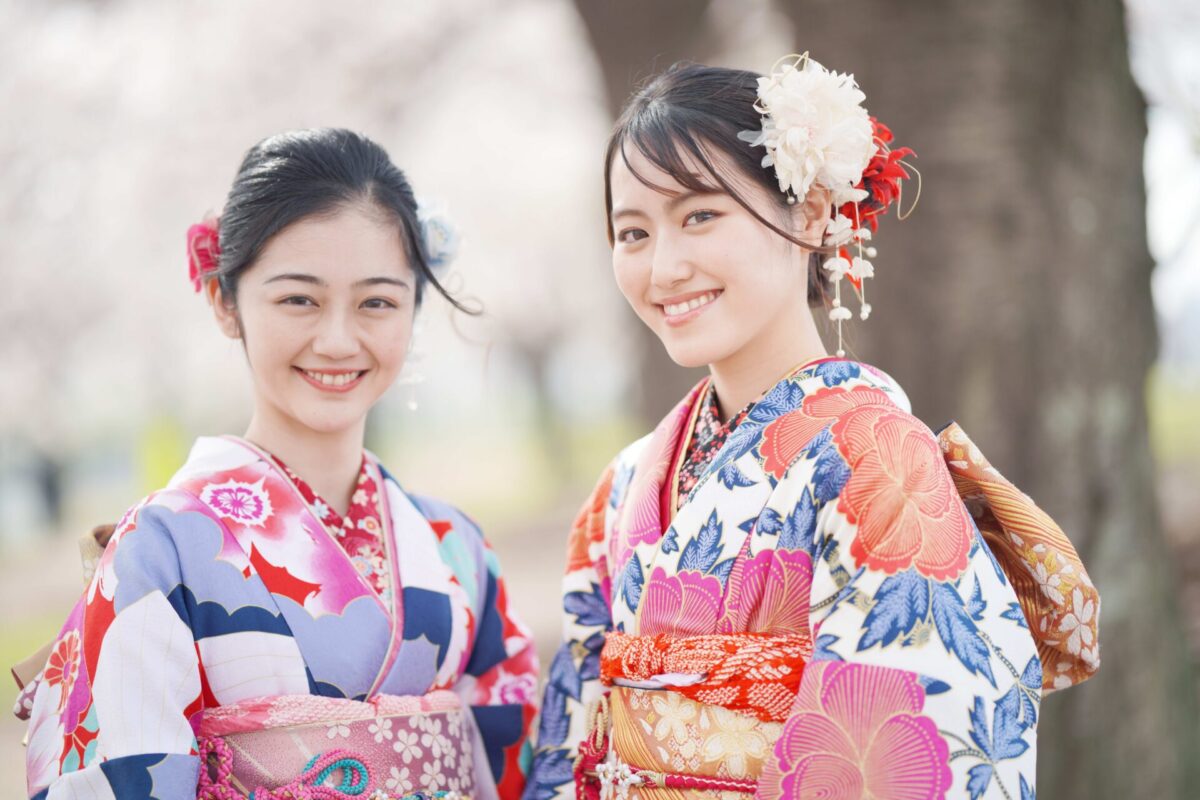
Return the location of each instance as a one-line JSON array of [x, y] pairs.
[[269, 340], [631, 278], [390, 343]]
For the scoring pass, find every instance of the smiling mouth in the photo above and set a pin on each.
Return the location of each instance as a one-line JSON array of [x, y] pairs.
[[684, 310], [332, 381]]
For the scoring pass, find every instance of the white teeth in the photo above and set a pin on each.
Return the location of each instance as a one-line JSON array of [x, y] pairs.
[[675, 309], [333, 380]]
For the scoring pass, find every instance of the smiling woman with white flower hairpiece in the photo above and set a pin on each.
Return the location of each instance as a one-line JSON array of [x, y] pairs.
[[284, 620], [837, 601]]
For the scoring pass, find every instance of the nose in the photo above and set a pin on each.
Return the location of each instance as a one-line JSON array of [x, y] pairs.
[[337, 336], [670, 263]]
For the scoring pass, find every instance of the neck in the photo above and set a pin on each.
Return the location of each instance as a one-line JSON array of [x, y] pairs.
[[751, 371], [328, 462]]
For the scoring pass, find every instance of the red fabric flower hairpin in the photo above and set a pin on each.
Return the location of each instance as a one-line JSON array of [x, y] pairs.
[[204, 251]]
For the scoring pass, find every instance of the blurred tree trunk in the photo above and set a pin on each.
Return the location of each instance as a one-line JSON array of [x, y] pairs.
[[1017, 299], [634, 40]]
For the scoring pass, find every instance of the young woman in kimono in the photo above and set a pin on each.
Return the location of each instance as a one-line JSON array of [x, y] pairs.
[[284, 618], [792, 587]]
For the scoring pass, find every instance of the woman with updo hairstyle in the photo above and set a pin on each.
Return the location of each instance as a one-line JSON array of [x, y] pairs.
[[283, 619], [792, 587]]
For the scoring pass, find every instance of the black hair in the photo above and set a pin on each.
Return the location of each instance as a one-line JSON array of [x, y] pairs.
[[298, 174], [690, 112]]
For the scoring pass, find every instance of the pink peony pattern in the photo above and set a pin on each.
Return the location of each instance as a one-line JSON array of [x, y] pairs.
[[685, 604], [857, 731], [769, 593]]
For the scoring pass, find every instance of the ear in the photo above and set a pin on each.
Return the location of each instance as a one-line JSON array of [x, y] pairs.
[[224, 311], [812, 216]]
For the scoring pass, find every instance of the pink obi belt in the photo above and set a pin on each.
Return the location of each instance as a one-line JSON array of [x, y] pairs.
[[307, 747]]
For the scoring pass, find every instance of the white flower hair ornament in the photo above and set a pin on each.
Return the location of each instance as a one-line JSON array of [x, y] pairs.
[[439, 233], [817, 133]]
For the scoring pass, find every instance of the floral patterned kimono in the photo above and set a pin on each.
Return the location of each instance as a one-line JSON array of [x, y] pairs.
[[821, 599], [239, 634]]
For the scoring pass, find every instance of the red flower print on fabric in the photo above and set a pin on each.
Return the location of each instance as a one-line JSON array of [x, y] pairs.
[[900, 495], [62, 668], [857, 731]]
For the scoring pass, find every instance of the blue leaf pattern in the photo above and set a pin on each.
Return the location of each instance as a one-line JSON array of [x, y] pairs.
[[731, 477], [958, 631], [1015, 613], [587, 608], [769, 523], [797, 530], [834, 372], [978, 778], [723, 569], [901, 602], [670, 542], [701, 553], [830, 474], [786, 396], [821, 651], [553, 769], [631, 582], [977, 605]]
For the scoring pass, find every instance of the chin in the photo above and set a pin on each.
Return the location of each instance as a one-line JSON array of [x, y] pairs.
[[694, 355], [327, 423]]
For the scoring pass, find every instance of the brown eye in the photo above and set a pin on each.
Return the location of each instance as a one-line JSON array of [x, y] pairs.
[[378, 302], [696, 217], [631, 235], [297, 300]]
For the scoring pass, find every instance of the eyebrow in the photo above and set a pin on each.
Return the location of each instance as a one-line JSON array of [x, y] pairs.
[[315, 281], [672, 204]]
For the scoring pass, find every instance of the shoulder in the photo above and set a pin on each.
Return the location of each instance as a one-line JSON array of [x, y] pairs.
[[448, 522], [621, 469]]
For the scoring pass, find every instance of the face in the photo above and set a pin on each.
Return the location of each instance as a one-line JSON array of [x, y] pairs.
[[326, 315], [699, 270]]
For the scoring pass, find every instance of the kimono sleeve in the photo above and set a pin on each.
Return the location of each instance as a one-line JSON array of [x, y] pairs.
[[574, 681], [503, 694], [112, 717], [924, 679]]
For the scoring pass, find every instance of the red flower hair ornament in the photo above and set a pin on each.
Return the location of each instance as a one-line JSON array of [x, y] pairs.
[[817, 133], [204, 251]]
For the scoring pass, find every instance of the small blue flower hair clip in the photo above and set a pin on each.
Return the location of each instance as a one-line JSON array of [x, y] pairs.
[[440, 234]]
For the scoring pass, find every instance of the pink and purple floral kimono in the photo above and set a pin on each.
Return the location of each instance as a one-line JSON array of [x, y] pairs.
[[232, 639], [825, 600]]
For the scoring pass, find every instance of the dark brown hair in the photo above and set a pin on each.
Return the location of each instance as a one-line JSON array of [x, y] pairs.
[[688, 113]]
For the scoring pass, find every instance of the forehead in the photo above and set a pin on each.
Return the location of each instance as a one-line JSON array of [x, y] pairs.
[[347, 244], [634, 175]]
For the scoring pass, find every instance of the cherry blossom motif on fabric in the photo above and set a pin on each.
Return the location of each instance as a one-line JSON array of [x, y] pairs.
[[403, 743], [708, 437], [1057, 597], [858, 731], [750, 673], [360, 532]]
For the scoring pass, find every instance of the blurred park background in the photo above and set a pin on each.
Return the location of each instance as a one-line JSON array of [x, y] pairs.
[[1046, 293]]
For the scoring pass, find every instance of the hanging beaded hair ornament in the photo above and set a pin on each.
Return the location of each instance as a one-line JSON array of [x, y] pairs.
[[817, 133]]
